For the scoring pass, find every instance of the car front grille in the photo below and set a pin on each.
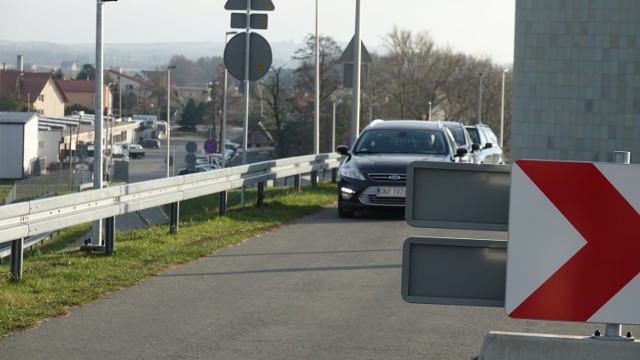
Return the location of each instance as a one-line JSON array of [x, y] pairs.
[[391, 178], [369, 197]]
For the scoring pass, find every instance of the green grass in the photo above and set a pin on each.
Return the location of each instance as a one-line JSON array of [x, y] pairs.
[[4, 191], [57, 277]]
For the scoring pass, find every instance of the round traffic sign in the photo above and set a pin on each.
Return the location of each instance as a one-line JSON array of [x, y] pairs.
[[191, 147], [260, 56], [190, 159], [210, 146]]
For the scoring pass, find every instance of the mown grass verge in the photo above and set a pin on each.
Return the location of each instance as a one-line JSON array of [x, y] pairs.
[[57, 277]]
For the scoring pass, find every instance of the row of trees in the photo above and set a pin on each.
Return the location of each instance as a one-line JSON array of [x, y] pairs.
[[412, 79]]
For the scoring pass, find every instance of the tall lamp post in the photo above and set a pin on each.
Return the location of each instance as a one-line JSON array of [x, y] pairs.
[[169, 114], [480, 100], [316, 115], [357, 63], [96, 229], [223, 126], [504, 73], [336, 101]]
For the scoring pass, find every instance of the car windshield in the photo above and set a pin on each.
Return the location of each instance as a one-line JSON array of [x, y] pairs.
[[403, 141], [458, 134], [473, 134]]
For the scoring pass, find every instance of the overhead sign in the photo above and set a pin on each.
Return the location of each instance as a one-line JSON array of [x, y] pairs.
[[458, 195], [454, 271], [260, 56], [574, 247], [257, 5]]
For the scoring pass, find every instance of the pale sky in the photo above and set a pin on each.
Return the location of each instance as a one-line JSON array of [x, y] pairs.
[[475, 27]]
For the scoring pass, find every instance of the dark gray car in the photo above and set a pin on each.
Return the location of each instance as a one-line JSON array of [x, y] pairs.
[[374, 175]]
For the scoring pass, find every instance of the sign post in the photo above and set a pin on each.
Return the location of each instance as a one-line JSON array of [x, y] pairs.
[[248, 56]]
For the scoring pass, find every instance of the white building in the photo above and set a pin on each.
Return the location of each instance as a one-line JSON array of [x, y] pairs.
[[576, 83], [18, 145]]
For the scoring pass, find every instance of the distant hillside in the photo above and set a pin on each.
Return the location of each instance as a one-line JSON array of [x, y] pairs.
[[46, 55]]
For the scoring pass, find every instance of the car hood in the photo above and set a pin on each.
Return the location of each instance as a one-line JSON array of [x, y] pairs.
[[391, 162]]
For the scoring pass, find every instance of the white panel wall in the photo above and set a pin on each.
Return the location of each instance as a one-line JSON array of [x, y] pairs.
[[11, 150], [576, 87]]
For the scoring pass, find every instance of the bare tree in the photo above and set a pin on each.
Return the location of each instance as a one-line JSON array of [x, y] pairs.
[[413, 73], [304, 88]]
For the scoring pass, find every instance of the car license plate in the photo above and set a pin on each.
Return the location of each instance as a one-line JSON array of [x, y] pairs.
[[391, 191]]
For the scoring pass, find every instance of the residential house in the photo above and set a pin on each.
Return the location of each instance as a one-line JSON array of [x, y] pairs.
[[260, 137], [41, 91], [82, 93], [129, 84]]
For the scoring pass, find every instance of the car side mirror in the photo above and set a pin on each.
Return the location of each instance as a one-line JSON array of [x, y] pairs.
[[475, 147], [342, 150], [462, 152], [488, 145]]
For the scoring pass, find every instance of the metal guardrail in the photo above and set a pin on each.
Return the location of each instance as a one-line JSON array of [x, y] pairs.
[[29, 218]]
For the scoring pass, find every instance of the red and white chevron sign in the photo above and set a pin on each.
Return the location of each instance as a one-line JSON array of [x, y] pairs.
[[574, 242]]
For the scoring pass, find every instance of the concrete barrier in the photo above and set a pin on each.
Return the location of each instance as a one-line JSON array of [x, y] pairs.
[[522, 346]]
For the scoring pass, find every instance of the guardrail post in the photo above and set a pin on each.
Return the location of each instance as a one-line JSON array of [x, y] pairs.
[[260, 199], [110, 235], [223, 203], [17, 253], [314, 178], [175, 217], [334, 175], [296, 182]]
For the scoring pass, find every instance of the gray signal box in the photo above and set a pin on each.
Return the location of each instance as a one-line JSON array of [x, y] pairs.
[[458, 195], [454, 271]]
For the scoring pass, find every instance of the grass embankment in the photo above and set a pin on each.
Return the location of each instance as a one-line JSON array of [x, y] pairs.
[[56, 277]]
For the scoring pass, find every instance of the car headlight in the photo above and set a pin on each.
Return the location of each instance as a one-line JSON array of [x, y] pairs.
[[349, 171]]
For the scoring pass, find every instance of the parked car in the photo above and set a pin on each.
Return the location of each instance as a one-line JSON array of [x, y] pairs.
[[463, 140], [198, 169], [119, 157], [150, 143], [374, 174], [209, 159], [485, 148], [134, 151]]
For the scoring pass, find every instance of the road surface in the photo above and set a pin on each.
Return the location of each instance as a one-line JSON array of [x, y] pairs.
[[322, 288]]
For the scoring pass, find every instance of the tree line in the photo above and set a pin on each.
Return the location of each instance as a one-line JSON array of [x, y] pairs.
[[413, 79]]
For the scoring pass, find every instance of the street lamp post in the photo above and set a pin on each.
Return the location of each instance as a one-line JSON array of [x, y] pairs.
[[429, 110], [316, 115], [333, 124], [504, 73], [96, 229], [480, 100], [169, 114], [223, 126], [357, 63]]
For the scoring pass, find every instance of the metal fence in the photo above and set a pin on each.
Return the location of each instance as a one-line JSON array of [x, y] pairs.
[[29, 218], [45, 185]]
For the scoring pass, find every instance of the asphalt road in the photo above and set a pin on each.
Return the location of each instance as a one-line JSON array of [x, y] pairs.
[[322, 288]]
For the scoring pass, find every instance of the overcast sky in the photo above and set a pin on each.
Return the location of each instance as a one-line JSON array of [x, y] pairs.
[[476, 27]]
